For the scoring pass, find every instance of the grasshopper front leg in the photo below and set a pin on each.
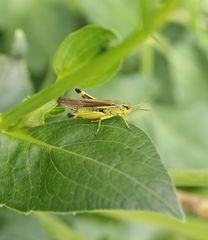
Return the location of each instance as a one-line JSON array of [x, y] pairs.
[[98, 128], [124, 118], [110, 116]]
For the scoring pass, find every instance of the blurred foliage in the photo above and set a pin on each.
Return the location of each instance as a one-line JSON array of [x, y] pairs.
[[15, 83], [80, 227], [45, 24], [169, 72]]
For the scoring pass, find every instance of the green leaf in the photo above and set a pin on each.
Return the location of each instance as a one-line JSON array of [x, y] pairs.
[[81, 47], [63, 167]]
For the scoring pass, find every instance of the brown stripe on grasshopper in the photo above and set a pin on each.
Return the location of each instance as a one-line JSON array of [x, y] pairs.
[[77, 103]]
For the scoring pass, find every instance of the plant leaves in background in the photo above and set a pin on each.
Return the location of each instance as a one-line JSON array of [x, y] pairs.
[[57, 229], [100, 226], [54, 169], [188, 67], [44, 226], [19, 227], [186, 134], [45, 23], [193, 228], [179, 126], [15, 83], [119, 15]]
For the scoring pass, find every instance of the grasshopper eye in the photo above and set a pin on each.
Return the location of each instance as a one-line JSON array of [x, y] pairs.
[[127, 107]]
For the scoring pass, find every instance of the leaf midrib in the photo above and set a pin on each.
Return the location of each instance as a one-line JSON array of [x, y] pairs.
[[25, 137]]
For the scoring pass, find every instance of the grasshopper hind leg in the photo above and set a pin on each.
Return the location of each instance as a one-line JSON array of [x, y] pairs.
[[83, 94]]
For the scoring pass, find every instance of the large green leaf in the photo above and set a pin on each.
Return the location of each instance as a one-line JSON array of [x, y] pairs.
[[63, 166]]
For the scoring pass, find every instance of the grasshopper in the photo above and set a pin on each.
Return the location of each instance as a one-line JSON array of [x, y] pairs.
[[94, 109]]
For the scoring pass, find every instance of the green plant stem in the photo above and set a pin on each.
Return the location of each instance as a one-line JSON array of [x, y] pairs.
[[190, 178], [147, 60], [112, 56]]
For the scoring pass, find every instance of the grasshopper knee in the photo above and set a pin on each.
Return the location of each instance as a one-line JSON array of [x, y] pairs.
[[78, 90], [70, 115]]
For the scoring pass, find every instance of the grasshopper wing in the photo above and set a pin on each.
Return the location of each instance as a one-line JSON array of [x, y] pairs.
[[84, 103]]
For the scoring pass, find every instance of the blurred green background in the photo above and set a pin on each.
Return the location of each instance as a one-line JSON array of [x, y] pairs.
[[168, 73]]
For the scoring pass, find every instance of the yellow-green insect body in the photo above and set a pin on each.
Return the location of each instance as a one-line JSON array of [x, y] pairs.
[[100, 112], [95, 109]]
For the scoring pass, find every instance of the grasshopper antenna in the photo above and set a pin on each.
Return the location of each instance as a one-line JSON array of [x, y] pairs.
[[143, 109]]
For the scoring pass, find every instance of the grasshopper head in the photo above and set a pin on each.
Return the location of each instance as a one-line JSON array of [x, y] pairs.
[[127, 108]]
